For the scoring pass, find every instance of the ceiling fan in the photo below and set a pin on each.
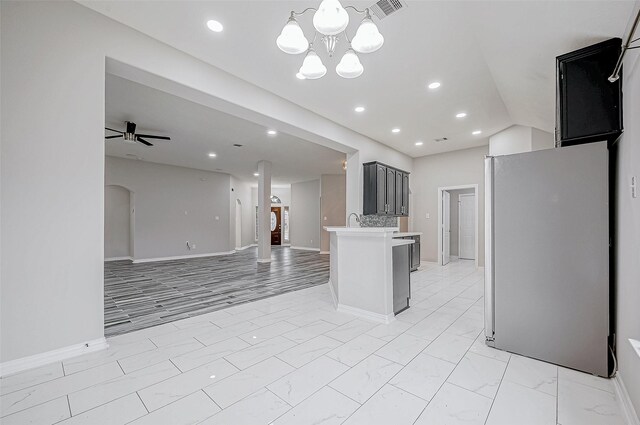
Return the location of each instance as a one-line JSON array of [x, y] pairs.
[[130, 135]]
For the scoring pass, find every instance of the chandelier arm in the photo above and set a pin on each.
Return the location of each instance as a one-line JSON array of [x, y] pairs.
[[294, 13], [358, 10]]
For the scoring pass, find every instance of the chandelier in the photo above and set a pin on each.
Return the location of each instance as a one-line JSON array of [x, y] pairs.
[[330, 21]]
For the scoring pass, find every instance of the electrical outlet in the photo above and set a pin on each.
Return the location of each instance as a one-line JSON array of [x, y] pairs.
[[428, 215], [193, 245]]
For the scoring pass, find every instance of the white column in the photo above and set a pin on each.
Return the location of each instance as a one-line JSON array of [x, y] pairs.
[[264, 212]]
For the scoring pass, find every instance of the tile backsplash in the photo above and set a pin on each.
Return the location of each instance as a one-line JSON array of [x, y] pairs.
[[378, 221]]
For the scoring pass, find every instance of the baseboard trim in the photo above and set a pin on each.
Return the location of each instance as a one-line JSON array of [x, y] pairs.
[[333, 295], [376, 317], [182, 257], [304, 248], [118, 258], [628, 411], [324, 252], [37, 360], [246, 246], [264, 260]]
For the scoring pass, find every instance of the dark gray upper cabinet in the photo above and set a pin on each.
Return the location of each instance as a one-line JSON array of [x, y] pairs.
[[386, 190]]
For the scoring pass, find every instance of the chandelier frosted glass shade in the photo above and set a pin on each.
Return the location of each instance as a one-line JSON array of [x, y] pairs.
[[367, 39], [349, 66], [292, 40], [312, 67], [330, 18]]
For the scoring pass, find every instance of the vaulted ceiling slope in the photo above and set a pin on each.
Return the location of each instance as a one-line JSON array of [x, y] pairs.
[[494, 59]]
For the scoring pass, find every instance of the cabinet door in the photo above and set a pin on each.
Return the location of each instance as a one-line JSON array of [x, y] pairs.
[[399, 205], [405, 194], [381, 197], [391, 191]]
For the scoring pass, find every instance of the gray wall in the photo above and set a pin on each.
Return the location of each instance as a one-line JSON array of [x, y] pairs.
[[333, 205], [453, 209], [305, 214], [174, 205], [628, 237], [117, 225], [448, 169]]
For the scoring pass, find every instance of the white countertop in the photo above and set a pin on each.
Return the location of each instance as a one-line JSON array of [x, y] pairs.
[[361, 229], [398, 242], [404, 234]]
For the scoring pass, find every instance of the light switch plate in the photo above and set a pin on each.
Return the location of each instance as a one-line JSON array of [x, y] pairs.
[[428, 215], [634, 187]]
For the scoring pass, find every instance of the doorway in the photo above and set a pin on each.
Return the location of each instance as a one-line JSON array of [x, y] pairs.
[[238, 224], [276, 226], [457, 223]]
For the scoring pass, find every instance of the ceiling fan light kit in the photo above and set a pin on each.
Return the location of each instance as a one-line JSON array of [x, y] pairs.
[[130, 135], [330, 21]]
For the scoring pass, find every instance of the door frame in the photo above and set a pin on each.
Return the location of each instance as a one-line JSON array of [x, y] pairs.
[[439, 224], [459, 221]]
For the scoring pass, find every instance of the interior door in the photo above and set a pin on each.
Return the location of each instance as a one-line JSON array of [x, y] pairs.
[[276, 226], [467, 227], [381, 188], [446, 227]]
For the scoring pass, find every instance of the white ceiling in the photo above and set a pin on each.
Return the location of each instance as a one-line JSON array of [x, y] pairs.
[[197, 130], [495, 60]]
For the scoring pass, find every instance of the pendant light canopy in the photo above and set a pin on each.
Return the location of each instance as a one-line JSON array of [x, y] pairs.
[[367, 39], [349, 66], [330, 21], [312, 67], [330, 18], [292, 39]]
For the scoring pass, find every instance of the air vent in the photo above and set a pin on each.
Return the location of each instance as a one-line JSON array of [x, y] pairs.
[[384, 8], [442, 139], [237, 145]]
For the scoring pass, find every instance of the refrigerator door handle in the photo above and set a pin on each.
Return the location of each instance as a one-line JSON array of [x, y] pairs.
[[489, 290]]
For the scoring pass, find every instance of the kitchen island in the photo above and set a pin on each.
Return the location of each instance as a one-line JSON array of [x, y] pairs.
[[362, 270]]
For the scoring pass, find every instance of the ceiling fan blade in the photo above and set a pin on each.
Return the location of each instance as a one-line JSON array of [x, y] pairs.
[[150, 136], [113, 137], [144, 142], [111, 129]]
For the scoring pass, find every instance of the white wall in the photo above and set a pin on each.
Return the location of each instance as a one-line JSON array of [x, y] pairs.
[[305, 214], [628, 234], [174, 205], [333, 205], [53, 70], [519, 138], [463, 167], [117, 224]]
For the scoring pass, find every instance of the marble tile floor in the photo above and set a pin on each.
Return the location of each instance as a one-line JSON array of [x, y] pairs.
[[291, 359], [138, 296]]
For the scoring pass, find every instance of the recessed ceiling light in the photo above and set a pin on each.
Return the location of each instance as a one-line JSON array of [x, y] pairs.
[[256, 174], [419, 143], [395, 130], [359, 109], [213, 377], [212, 154], [461, 114], [475, 133], [214, 25], [434, 85], [300, 76], [272, 132]]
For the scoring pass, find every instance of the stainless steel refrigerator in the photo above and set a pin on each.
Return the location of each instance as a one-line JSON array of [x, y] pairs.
[[547, 255]]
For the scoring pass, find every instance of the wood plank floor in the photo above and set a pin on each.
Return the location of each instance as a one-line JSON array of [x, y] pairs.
[[138, 296]]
